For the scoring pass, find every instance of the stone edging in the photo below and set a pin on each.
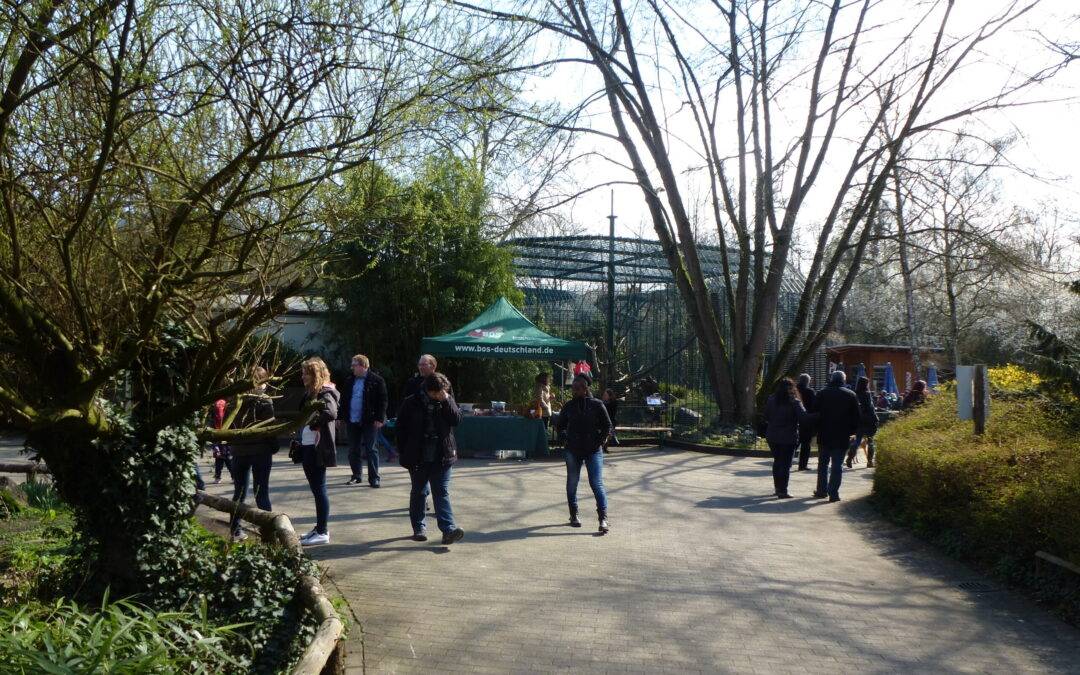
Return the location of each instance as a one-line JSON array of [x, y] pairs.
[[714, 449], [322, 654]]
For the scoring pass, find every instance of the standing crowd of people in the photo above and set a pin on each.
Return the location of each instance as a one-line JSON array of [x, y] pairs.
[[426, 445], [841, 418]]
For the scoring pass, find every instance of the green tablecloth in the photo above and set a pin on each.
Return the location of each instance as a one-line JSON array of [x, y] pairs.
[[478, 436]]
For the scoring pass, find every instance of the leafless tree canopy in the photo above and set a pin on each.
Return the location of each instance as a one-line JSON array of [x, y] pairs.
[[792, 116]]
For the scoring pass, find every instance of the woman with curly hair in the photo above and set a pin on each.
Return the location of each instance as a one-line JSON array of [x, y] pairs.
[[318, 442]]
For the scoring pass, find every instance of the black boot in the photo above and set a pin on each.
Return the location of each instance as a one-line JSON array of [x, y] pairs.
[[602, 515], [574, 522]]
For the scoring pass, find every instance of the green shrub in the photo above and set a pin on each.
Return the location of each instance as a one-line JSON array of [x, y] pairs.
[[121, 637], [993, 500], [253, 584]]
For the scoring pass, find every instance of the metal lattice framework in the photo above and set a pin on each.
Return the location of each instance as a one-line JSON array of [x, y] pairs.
[[619, 294], [635, 261]]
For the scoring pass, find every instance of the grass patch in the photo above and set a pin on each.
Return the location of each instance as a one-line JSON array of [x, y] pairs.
[[992, 500]]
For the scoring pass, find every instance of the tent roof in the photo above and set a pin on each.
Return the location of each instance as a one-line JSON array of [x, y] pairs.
[[502, 332]]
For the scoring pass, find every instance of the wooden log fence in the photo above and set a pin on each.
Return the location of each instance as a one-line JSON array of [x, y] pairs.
[[323, 653], [27, 467]]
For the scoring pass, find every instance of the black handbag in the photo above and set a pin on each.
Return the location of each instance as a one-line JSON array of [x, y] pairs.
[[295, 454]]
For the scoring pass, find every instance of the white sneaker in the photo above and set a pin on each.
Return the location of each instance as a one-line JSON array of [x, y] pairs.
[[309, 535], [316, 539], [239, 536]]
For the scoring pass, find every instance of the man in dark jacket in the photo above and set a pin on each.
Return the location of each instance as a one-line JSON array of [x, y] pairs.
[[585, 424], [365, 398], [426, 365], [806, 431], [838, 420], [427, 448]]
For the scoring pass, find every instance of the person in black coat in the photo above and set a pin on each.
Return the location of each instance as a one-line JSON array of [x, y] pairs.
[[838, 419], [784, 417], [255, 456], [364, 399], [806, 431], [585, 425], [428, 449], [611, 404], [318, 442], [868, 423]]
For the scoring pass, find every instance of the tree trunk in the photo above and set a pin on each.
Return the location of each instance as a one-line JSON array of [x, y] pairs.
[[127, 495], [905, 274]]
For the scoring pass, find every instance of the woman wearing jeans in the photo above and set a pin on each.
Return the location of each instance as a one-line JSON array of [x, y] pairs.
[[318, 442], [585, 423]]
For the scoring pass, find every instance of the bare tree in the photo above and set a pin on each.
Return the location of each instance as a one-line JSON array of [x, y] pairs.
[[787, 104]]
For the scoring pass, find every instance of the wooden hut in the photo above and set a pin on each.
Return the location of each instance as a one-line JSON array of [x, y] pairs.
[[874, 358]]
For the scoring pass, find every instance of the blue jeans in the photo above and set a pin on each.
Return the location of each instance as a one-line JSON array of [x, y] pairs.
[[828, 482], [594, 464], [259, 467], [781, 466], [361, 442], [316, 478], [200, 484], [438, 475]]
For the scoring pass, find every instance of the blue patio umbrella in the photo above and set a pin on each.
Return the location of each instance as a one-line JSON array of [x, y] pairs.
[[931, 377], [890, 380]]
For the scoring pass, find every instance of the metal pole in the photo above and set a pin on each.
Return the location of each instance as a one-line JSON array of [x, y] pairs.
[[609, 372]]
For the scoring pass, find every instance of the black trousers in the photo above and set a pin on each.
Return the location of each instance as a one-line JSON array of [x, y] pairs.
[[781, 465], [805, 441]]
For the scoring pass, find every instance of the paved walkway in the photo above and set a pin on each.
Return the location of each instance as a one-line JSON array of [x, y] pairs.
[[702, 572]]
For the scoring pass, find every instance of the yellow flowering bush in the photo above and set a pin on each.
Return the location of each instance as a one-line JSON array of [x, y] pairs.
[[1013, 379]]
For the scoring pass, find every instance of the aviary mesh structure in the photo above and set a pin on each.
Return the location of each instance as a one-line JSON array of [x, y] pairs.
[[566, 283]]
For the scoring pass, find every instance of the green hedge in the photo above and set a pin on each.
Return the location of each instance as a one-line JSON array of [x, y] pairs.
[[994, 500]]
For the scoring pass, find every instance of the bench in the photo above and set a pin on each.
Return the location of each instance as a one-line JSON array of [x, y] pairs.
[[660, 432]]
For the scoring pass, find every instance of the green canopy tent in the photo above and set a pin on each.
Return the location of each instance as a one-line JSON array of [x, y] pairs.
[[502, 332]]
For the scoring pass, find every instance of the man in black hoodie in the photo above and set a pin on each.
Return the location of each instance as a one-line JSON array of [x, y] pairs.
[[838, 420], [585, 423]]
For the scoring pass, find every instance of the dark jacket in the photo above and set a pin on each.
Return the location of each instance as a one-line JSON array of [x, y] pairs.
[[254, 408], [612, 408], [411, 423], [809, 400], [586, 424], [838, 416], [373, 408], [868, 424], [784, 419], [322, 421], [415, 384], [913, 399]]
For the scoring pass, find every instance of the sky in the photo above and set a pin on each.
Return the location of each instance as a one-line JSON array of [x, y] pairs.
[[1048, 142]]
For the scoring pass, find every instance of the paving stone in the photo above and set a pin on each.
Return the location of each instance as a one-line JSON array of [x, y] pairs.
[[702, 572]]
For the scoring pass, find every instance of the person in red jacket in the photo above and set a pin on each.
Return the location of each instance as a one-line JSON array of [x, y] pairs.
[[220, 450]]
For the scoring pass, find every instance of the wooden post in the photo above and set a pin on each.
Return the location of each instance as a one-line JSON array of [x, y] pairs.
[[980, 396]]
